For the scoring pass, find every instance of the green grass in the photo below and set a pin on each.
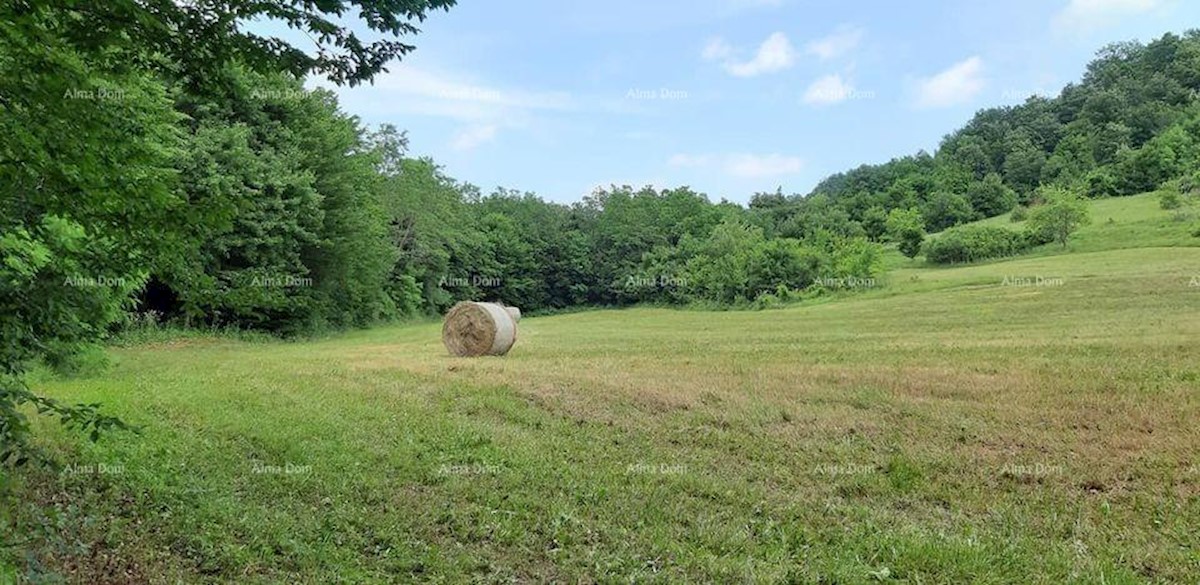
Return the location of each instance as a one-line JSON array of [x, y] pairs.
[[1120, 222], [951, 427], [1116, 223]]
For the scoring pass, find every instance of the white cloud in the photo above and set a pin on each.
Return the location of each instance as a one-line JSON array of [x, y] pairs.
[[841, 41], [826, 90], [690, 160], [472, 137], [770, 165], [1085, 15], [717, 49], [954, 86], [411, 90], [742, 164], [776, 53]]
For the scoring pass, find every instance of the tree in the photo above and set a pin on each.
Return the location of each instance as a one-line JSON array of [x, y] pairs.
[[200, 38], [89, 156], [83, 210], [874, 222], [1059, 217], [1023, 162], [721, 270], [991, 196], [946, 209], [906, 227]]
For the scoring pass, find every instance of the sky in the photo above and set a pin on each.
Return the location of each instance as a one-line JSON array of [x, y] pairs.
[[728, 97]]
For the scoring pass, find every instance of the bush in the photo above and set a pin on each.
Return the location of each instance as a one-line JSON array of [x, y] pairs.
[[906, 227], [1020, 213], [1190, 184], [1100, 183], [1057, 218], [974, 243], [1170, 199]]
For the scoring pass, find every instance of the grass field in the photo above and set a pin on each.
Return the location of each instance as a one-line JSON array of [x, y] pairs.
[[1030, 420]]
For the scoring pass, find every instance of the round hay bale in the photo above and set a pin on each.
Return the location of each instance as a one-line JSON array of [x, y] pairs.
[[515, 313], [475, 329]]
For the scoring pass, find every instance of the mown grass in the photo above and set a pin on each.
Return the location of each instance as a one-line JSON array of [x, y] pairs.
[[949, 428]]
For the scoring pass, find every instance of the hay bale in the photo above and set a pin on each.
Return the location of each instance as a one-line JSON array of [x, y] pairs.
[[475, 329], [515, 313]]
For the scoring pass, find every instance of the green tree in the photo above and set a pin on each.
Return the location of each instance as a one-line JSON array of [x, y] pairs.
[[906, 227], [874, 222], [946, 209], [285, 215], [721, 272], [991, 196], [83, 207], [1023, 162], [89, 143], [1055, 220], [200, 38]]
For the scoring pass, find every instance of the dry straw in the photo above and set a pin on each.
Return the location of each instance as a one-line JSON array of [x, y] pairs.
[[475, 329]]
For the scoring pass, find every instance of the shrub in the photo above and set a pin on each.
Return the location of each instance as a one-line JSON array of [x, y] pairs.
[[974, 243], [767, 301], [1020, 213], [906, 227], [1058, 218], [1100, 183], [1169, 199], [1190, 184]]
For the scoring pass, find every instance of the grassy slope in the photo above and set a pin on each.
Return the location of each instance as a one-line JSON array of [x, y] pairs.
[[947, 428], [1116, 223]]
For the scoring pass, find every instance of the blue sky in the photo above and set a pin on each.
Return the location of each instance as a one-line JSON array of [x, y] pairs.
[[729, 97]]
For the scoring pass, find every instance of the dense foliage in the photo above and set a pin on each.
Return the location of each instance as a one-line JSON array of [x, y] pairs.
[[130, 152], [1131, 125], [975, 242]]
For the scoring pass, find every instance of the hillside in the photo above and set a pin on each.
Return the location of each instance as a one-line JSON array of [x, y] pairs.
[[1129, 125], [968, 424]]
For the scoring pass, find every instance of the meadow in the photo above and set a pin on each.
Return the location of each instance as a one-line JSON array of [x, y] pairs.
[[1026, 420]]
